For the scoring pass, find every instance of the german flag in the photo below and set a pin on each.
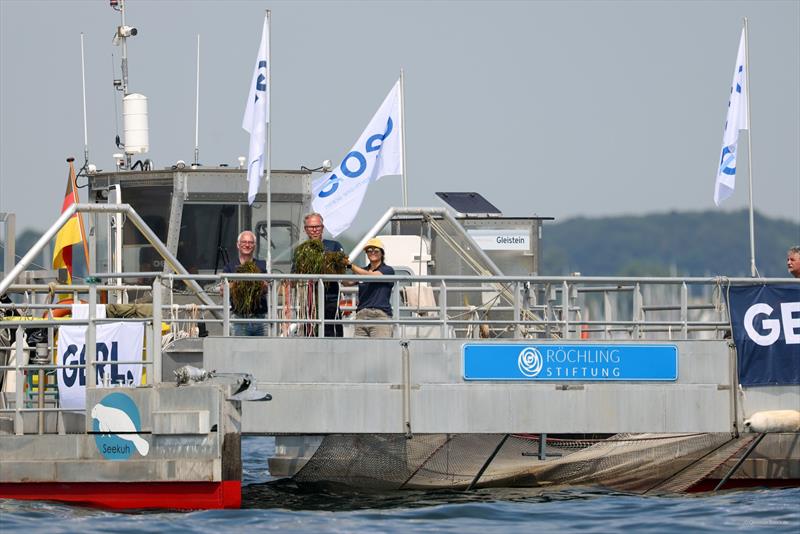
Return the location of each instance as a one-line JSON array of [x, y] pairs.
[[71, 233]]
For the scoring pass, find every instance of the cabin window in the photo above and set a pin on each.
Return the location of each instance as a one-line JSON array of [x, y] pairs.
[[283, 233], [152, 205], [208, 236]]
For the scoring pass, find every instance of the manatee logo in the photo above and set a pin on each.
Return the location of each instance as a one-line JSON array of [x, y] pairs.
[[116, 423], [530, 361]]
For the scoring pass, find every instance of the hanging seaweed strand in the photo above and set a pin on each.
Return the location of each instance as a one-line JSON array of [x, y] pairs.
[[246, 294], [310, 257]]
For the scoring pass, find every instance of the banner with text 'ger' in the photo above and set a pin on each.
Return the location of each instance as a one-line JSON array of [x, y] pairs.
[[766, 330], [378, 152]]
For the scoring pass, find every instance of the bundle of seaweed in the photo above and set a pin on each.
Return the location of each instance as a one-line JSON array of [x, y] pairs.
[[246, 294], [310, 257], [335, 262]]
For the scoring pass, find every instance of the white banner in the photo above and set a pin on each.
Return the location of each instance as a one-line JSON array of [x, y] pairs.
[[378, 152], [736, 120], [115, 342], [256, 115]]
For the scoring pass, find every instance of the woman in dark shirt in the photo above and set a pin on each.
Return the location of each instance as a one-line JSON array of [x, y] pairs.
[[374, 298]]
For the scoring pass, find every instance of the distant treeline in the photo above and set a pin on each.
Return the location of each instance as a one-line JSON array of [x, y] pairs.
[[708, 243], [687, 244]]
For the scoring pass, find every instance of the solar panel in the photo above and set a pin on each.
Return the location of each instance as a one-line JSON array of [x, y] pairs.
[[469, 203]]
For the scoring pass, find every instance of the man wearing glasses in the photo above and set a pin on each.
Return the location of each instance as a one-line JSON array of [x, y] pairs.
[[374, 298], [312, 224], [246, 245]]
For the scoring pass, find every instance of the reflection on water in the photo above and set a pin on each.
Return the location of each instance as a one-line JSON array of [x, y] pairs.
[[281, 505], [324, 497]]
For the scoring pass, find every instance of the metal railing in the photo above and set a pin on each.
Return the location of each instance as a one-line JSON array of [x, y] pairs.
[[502, 307]]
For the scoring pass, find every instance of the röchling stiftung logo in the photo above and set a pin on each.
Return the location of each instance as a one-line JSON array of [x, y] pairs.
[[530, 361]]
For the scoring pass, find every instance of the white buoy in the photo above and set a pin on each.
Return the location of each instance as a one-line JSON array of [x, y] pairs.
[[774, 421], [134, 120]]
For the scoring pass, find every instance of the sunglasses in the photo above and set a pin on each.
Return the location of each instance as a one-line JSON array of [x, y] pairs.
[[315, 227], [371, 250]]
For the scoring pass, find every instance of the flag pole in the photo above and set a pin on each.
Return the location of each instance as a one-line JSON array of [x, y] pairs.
[[73, 180], [753, 270], [269, 143], [403, 136], [197, 108]]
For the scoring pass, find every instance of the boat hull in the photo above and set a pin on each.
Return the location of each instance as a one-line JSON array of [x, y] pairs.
[[131, 495]]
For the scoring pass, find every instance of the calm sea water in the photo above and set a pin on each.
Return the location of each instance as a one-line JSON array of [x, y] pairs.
[[280, 505]]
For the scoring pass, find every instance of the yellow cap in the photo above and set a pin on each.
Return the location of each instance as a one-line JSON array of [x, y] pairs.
[[374, 242]]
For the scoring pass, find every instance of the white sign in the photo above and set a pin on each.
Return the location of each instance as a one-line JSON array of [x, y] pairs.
[[115, 342], [502, 239]]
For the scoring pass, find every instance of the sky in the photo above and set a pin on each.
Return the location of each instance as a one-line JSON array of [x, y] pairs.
[[557, 109]]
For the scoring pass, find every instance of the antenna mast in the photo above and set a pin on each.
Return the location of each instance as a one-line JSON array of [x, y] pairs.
[[134, 106], [120, 38], [85, 127]]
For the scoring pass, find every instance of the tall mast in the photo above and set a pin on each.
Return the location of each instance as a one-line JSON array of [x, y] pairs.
[[120, 38], [85, 127], [753, 269], [124, 44]]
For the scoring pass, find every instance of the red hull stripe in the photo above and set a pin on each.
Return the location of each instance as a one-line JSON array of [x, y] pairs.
[[709, 484], [131, 495]]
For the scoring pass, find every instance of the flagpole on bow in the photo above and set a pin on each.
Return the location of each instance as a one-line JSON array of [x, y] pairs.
[[403, 136], [74, 181], [753, 270], [269, 144]]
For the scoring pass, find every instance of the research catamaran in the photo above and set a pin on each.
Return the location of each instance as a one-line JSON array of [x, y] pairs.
[[135, 395]]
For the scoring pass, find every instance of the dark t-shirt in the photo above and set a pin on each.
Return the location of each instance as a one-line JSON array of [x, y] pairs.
[[332, 288], [376, 295], [261, 265]]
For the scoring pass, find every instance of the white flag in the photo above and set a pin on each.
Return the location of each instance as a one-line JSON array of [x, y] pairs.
[[736, 120], [338, 194], [256, 115]]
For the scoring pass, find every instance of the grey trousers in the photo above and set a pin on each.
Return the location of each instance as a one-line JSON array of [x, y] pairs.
[[372, 330]]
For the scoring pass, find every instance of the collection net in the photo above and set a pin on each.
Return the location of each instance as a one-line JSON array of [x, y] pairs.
[[628, 462]]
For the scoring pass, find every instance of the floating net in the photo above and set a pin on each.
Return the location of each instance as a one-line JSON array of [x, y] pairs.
[[627, 462]]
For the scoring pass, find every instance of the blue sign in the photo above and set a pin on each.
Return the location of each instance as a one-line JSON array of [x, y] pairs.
[[538, 362], [116, 424], [766, 329]]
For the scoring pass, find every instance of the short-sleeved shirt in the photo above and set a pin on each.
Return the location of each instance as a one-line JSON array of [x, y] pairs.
[[376, 295], [332, 288], [261, 265]]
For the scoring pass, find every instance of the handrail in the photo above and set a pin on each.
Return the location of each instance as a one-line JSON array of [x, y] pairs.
[[561, 299], [131, 215]]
